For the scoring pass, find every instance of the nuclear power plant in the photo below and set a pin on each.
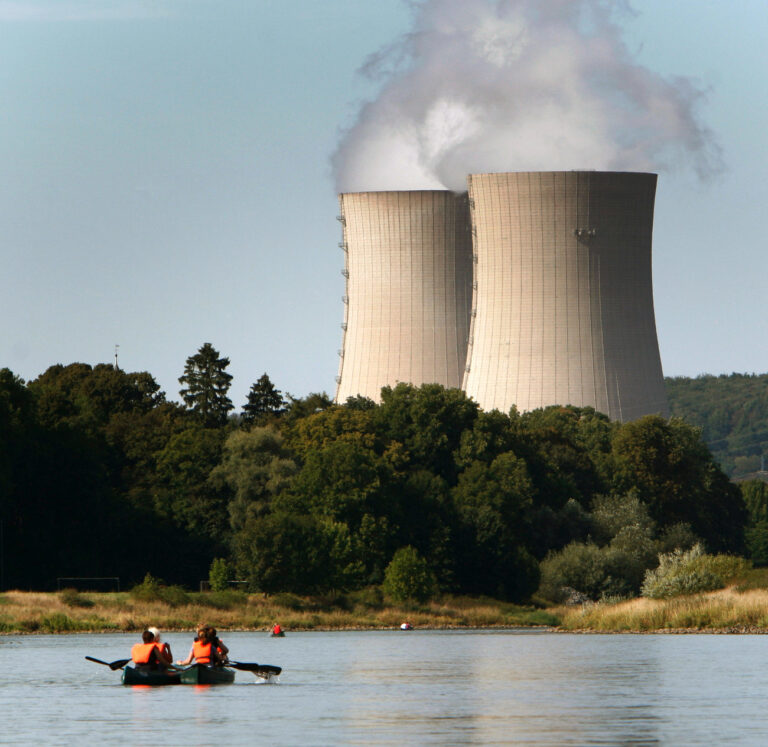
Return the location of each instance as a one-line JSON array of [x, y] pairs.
[[558, 269], [409, 287]]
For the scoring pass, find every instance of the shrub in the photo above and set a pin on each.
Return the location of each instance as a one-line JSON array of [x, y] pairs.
[[73, 598], [690, 572], [174, 596], [218, 575], [148, 590], [408, 577], [222, 600], [370, 597], [287, 600], [152, 590], [578, 566]]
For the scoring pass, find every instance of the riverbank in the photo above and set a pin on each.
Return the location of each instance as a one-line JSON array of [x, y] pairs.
[[69, 611], [725, 611]]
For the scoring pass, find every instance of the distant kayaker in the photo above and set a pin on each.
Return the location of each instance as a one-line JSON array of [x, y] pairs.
[[147, 655], [276, 629], [163, 648], [203, 650]]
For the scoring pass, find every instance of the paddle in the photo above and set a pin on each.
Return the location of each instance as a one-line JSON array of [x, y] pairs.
[[262, 670], [119, 664]]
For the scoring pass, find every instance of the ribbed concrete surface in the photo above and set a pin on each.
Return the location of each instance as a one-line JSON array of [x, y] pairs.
[[409, 288], [563, 305]]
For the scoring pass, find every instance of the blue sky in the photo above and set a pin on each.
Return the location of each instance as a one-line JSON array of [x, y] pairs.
[[166, 181]]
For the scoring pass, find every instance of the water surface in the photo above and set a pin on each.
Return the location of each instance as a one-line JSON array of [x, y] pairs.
[[393, 687]]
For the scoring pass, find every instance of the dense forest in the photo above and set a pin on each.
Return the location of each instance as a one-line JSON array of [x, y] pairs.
[[732, 412], [101, 475]]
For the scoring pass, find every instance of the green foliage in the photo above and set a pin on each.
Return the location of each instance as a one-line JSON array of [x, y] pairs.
[[691, 572], [205, 384], [408, 578], [154, 590], [219, 575], [731, 410], [220, 600], [674, 474], [288, 600], [319, 498], [254, 467], [265, 401], [756, 538], [302, 554], [73, 598], [614, 565]]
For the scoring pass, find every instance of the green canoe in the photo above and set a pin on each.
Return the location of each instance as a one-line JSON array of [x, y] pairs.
[[133, 676], [202, 674]]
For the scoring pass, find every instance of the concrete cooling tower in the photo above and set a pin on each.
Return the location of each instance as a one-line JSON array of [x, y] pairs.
[[409, 289], [563, 300]]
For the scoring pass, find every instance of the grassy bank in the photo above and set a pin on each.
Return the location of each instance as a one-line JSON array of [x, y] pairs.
[[726, 610], [736, 609], [69, 611]]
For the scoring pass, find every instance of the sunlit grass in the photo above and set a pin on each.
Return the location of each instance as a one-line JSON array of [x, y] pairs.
[[725, 610], [34, 612]]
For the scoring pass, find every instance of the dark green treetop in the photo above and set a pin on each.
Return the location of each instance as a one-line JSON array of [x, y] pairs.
[[206, 384], [264, 400]]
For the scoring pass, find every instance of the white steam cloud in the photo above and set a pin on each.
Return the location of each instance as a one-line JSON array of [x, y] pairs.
[[517, 85]]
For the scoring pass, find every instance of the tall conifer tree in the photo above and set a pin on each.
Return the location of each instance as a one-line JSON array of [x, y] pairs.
[[206, 384], [263, 400]]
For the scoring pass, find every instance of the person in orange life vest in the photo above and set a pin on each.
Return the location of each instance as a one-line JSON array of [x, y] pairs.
[[146, 654], [203, 651], [276, 629], [164, 650], [217, 643]]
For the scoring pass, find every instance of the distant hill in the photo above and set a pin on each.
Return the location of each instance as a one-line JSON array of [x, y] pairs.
[[732, 412]]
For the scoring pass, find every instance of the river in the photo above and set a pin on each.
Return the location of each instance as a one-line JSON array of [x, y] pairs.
[[400, 688]]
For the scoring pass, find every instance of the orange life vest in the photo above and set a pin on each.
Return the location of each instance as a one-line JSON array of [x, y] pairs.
[[202, 652], [141, 652], [277, 630]]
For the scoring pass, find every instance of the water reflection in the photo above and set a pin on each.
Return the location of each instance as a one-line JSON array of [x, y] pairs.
[[447, 687]]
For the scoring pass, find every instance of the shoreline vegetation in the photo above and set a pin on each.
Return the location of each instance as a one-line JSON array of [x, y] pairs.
[[730, 610]]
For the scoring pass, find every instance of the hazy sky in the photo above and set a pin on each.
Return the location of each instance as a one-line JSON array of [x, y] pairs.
[[166, 180]]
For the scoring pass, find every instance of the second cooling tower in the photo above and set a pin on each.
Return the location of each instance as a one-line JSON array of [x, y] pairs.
[[409, 288], [563, 301]]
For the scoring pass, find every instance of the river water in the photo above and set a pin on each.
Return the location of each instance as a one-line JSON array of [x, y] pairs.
[[404, 688]]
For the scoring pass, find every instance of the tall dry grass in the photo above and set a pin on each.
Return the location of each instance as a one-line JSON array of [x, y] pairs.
[[718, 611], [32, 612]]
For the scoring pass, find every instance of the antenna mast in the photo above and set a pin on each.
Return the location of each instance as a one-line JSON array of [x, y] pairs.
[[116, 367]]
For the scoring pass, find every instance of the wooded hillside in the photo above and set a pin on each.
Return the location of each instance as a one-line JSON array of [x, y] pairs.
[[732, 412]]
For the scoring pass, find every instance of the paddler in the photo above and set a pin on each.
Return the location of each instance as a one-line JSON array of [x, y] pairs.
[[162, 647], [203, 650], [147, 655]]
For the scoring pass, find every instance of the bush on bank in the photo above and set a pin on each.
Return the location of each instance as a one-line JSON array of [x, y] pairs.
[[690, 572]]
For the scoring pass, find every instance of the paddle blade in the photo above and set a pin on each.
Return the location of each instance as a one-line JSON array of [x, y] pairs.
[[119, 664], [263, 670], [98, 661]]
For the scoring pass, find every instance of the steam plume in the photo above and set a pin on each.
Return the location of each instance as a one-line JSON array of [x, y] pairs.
[[516, 85]]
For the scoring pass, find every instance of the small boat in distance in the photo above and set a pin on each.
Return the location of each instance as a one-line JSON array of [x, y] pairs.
[[406, 626], [277, 631]]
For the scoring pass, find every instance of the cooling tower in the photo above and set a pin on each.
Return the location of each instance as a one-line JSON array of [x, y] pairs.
[[409, 289], [563, 299]]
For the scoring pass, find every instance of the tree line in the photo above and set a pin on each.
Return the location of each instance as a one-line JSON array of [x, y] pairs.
[[102, 475], [732, 411]]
